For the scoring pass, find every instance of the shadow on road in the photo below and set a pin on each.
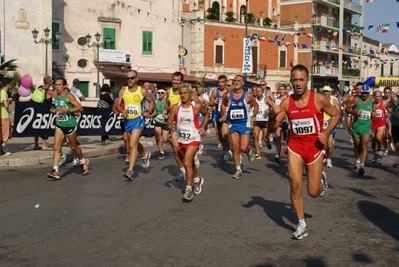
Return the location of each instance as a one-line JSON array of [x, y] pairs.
[[382, 217], [276, 211]]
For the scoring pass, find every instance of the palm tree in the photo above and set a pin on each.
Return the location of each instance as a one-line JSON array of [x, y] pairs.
[[7, 66]]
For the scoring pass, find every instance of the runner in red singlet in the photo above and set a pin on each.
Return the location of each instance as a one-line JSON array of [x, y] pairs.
[[304, 110]]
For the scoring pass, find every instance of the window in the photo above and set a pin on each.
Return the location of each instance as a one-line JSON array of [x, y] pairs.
[[254, 59], [82, 63], [84, 88], [109, 32], [82, 41], [147, 43], [282, 58], [391, 69], [219, 54], [55, 27]]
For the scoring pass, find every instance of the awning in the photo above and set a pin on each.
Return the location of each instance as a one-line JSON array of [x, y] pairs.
[[153, 77]]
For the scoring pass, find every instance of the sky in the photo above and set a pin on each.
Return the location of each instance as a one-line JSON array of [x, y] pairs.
[[382, 12]]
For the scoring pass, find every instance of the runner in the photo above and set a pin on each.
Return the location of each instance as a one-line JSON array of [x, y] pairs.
[[184, 119], [378, 126], [238, 102], [221, 127], [326, 121], [133, 97], [66, 106], [362, 108], [161, 129], [173, 98], [282, 130], [307, 140], [260, 126]]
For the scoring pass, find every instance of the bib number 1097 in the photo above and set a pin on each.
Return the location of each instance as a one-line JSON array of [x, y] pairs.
[[303, 130]]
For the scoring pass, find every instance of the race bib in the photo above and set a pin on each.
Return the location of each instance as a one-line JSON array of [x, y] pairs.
[[365, 115], [237, 114], [159, 118], [62, 117], [303, 126], [326, 122], [378, 113], [132, 109], [186, 133]]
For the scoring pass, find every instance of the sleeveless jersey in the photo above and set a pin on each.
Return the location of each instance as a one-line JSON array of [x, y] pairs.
[[395, 109], [306, 123], [133, 102], [187, 124], [173, 99], [217, 113], [159, 106], [326, 117], [380, 116], [362, 122], [238, 110], [64, 119], [262, 115]]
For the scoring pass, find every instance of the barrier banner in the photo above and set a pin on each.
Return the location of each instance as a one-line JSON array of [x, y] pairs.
[[33, 119]]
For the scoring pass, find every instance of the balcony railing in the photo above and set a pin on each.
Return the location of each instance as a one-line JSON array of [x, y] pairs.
[[354, 6], [332, 23], [350, 72], [350, 26], [334, 1]]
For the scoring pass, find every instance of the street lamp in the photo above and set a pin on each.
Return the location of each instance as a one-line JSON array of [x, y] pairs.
[[46, 40], [98, 45], [313, 37]]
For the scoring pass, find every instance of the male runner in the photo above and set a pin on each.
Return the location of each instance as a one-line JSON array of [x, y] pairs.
[[304, 110]]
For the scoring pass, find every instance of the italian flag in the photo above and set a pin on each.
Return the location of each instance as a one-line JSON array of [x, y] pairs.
[[385, 29], [310, 35], [335, 34], [262, 38]]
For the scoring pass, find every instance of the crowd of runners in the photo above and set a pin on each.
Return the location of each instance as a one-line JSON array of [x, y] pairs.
[[294, 120]]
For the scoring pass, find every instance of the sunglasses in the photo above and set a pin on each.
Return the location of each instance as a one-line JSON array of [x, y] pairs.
[[228, 85], [131, 78], [365, 92], [262, 84], [161, 93]]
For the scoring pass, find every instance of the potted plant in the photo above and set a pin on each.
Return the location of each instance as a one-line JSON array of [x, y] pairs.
[[230, 16]]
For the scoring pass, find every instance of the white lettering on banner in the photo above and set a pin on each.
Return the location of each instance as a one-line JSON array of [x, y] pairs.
[[42, 121], [247, 57], [113, 120], [90, 122]]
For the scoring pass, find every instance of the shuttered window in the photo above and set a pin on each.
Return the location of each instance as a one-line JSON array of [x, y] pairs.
[[111, 33], [147, 43]]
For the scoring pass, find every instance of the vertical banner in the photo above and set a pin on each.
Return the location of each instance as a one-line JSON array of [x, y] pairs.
[[247, 56]]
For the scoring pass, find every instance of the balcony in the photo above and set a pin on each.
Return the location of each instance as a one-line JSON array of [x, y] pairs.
[[329, 22], [354, 6], [350, 26], [350, 72], [327, 70]]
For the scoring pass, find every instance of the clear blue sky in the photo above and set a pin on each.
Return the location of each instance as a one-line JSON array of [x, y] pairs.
[[382, 12]]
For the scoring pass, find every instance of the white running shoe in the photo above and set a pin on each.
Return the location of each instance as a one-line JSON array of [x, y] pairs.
[[300, 233], [146, 160], [62, 160], [324, 184], [329, 163], [200, 149], [196, 160], [180, 177], [75, 162], [392, 146]]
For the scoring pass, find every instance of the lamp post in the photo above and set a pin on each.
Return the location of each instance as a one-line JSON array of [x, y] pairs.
[[98, 45], [46, 40], [246, 18], [313, 37]]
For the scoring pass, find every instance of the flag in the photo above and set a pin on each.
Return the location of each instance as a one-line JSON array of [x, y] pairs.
[[282, 37], [304, 46], [372, 1], [386, 52], [371, 26], [276, 37], [262, 38], [361, 30], [310, 35], [377, 52], [252, 37], [295, 45], [353, 31], [344, 33], [335, 34], [278, 43], [287, 44], [383, 28]]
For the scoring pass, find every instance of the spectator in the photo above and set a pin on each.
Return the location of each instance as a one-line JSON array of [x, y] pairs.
[[154, 93], [106, 101], [5, 102], [76, 91], [47, 83]]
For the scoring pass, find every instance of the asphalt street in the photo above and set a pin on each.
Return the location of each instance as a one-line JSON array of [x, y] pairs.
[[102, 219]]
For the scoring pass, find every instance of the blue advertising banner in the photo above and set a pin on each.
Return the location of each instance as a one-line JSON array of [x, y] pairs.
[[33, 119]]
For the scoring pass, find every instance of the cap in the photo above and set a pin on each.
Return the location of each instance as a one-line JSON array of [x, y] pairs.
[[365, 89], [327, 88], [161, 91]]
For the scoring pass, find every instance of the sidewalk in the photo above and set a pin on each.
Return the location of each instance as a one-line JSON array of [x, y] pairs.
[[92, 146]]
